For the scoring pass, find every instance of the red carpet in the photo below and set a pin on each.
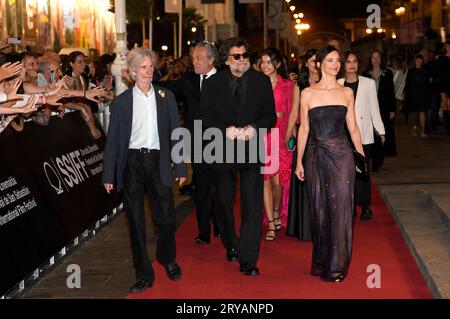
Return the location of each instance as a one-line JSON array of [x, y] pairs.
[[285, 264]]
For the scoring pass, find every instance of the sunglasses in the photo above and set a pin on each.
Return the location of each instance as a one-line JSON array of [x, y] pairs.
[[238, 56]]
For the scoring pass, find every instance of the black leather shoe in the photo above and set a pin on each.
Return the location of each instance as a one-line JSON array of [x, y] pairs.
[[366, 214], [140, 286], [202, 241], [173, 271], [232, 255], [249, 270]]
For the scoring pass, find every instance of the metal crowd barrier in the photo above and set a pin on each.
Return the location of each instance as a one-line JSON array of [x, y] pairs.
[[103, 115], [103, 118], [56, 259]]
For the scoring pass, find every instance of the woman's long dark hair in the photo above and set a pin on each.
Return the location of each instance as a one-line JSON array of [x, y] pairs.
[[72, 58], [344, 60], [383, 61], [275, 58], [100, 72], [303, 79], [322, 53]]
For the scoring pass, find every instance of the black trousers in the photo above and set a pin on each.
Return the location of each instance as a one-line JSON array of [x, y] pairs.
[[363, 194], [377, 154], [204, 199], [251, 195], [142, 175]]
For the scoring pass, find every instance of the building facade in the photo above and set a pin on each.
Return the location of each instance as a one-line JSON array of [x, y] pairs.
[[55, 24]]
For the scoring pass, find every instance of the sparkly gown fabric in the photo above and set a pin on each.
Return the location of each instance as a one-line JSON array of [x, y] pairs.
[[330, 180], [299, 213]]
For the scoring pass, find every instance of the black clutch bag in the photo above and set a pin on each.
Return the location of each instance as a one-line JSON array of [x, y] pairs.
[[361, 164]]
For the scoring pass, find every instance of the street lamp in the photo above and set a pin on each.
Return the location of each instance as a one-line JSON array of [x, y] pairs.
[[194, 29], [400, 11], [295, 16], [369, 31], [302, 26], [164, 48], [287, 1], [299, 32], [301, 15], [298, 21], [292, 8]]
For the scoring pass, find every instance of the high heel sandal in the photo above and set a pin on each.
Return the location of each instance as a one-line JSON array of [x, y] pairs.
[[278, 226], [270, 237]]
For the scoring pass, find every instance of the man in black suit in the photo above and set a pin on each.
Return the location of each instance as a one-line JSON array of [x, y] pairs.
[[239, 102], [205, 57], [137, 159]]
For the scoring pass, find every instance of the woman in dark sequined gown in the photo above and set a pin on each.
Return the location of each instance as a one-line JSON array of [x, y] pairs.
[[299, 213], [326, 163]]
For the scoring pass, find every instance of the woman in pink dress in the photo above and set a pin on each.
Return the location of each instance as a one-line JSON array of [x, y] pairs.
[[277, 177]]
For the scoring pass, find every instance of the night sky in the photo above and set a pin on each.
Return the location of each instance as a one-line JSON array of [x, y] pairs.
[[324, 15]]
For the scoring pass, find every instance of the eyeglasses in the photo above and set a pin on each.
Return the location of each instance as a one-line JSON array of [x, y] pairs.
[[238, 56]]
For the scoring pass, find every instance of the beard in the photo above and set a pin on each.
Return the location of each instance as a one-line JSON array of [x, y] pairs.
[[240, 68]]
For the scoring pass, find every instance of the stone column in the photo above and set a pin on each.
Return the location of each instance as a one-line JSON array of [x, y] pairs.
[[121, 50]]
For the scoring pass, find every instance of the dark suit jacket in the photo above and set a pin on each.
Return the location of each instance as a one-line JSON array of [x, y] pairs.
[[119, 133], [386, 93], [387, 103], [220, 111], [187, 86]]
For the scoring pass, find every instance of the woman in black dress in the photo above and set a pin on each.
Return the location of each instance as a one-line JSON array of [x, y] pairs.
[[299, 213], [417, 95], [329, 166], [384, 80]]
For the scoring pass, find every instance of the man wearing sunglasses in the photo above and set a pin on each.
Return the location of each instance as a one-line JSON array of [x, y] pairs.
[[239, 101]]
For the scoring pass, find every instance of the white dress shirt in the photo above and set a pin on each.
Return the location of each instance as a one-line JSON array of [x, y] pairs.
[[211, 72], [144, 129]]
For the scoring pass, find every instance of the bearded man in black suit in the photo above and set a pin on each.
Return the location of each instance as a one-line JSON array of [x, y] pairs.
[[240, 103]]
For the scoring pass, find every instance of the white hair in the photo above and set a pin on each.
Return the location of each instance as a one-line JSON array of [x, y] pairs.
[[136, 56]]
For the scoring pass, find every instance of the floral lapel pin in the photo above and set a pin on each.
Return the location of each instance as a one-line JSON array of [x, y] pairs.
[[162, 93]]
